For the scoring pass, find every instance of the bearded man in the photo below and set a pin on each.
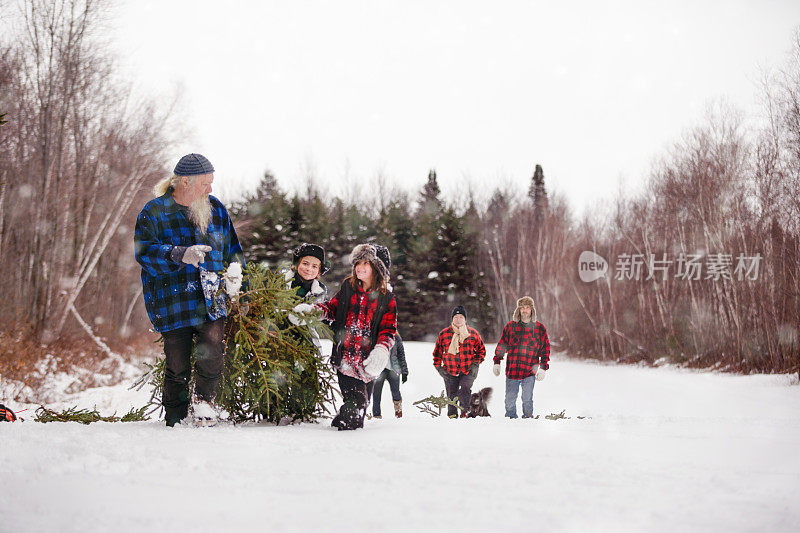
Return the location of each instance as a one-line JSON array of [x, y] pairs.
[[183, 241], [525, 342]]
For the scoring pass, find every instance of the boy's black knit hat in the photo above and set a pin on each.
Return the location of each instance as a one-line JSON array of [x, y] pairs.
[[312, 250]]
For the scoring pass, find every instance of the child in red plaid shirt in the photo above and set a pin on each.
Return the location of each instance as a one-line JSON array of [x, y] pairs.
[[458, 353], [364, 316], [525, 342]]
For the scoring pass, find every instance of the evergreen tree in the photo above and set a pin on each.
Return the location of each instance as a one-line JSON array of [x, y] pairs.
[[429, 201], [272, 367], [424, 289], [296, 222], [498, 209], [480, 303], [339, 244], [443, 256], [396, 232], [538, 195], [317, 221], [453, 256], [262, 219]]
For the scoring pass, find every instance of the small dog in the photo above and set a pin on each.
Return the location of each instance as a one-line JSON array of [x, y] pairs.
[[478, 401]]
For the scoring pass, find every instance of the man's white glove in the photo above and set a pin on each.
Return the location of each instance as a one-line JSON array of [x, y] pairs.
[[196, 254], [540, 374], [496, 369], [376, 360], [295, 317]]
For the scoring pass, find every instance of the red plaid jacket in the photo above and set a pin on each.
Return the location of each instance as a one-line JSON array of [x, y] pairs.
[[526, 346], [356, 336], [471, 350]]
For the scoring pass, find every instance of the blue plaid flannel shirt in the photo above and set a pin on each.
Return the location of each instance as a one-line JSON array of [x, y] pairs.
[[173, 295]]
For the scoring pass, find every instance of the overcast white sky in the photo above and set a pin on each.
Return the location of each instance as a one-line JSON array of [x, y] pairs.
[[481, 91]]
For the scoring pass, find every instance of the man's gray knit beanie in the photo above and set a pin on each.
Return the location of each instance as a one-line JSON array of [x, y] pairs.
[[193, 165]]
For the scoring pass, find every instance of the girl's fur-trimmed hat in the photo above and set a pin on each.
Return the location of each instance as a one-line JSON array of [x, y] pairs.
[[526, 301], [369, 252]]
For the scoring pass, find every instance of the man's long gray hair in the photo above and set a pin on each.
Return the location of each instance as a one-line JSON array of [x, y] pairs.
[[199, 211]]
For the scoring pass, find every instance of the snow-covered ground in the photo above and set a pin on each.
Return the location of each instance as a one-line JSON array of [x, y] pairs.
[[665, 449]]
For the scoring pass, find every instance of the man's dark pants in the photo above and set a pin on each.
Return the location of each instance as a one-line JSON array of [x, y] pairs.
[[458, 386], [177, 371]]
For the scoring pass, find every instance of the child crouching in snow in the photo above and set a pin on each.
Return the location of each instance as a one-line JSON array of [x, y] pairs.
[[525, 342], [364, 316], [308, 264]]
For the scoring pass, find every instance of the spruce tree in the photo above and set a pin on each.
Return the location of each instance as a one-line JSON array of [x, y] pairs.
[[339, 243], [262, 220], [443, 258], [498, 210], [273, 369], [538, 195], [396, 232], [429, 201], [453, 256], [425, 290], [480, 303]]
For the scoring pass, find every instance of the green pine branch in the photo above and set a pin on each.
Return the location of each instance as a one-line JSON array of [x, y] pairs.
[[86, 416], [433, 405]]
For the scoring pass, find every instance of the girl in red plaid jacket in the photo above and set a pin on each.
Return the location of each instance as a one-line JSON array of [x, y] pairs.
[[364, 316], [458, 353], [525, 342]]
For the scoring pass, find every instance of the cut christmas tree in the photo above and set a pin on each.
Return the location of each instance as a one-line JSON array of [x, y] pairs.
[[273, 367]]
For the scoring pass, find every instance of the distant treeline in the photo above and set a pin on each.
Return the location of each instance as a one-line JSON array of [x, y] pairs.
[[700, 268]]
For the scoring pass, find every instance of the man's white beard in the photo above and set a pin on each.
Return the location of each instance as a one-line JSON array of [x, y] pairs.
[[200, 213]]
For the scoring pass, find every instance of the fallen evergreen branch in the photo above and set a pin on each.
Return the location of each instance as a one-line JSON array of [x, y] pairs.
[[154, 376], [135, 415], [433, 405], [85, 416], [562, 416]]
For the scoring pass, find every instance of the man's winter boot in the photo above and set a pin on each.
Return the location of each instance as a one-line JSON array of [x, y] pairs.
[[398, 409], [204, 413]]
